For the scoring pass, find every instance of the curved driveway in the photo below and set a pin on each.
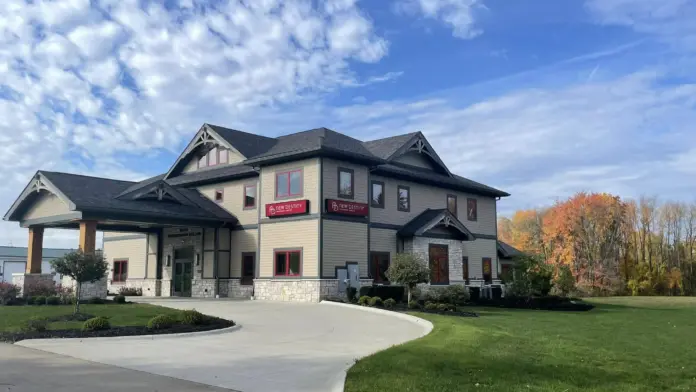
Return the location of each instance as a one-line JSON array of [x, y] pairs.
[[279, 346]]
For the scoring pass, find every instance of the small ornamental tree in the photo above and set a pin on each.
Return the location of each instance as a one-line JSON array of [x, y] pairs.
[[82, 267], [409, 270]]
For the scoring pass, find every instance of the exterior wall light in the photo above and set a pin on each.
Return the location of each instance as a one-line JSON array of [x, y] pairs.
[[169, 260]]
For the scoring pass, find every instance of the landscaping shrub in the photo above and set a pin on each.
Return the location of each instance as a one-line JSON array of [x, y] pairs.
[[65, 294], [364, 299], [351, 293], [29, 300], [389, 303], [456, 294], [434, 294], [564, 281], [192, 317], [40, 288], [497, 292], [408, 269], [53, 300], [549, 302], [414, 305], [430, 306], [119, 299], [36, 324], [8, 292], [96, 301], [39, 300], [443, 307], [162, 321], [131, 291], [375, 302], [96, 324], [384, 292]]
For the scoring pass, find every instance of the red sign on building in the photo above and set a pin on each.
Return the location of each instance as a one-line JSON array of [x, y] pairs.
[[346, 207], [285, 208]]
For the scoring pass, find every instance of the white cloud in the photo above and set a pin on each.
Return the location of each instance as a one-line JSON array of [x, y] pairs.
[[160, 73], [455, 14]]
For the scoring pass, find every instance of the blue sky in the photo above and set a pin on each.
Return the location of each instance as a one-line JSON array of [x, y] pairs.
[[542, 98]]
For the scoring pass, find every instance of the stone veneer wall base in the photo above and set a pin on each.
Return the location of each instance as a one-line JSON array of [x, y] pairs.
[[150, 287], [298, 290], [22, 280]]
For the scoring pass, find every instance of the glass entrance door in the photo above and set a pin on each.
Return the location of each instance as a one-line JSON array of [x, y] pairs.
[[183, 272]]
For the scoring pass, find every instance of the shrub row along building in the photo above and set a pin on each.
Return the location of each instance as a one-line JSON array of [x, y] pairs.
[[280, 218]]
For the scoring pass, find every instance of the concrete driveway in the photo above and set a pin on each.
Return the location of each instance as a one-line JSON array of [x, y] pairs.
[[24, 369], [279, 346]]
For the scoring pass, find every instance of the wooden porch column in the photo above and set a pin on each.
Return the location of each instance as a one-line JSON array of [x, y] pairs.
[[34, 254], [88, 236]]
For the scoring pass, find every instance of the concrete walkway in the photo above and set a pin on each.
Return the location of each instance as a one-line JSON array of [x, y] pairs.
[[279, 347], [27, 370]]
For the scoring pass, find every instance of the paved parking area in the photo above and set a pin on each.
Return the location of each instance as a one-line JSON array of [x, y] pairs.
[[279, 346], [24, 369]]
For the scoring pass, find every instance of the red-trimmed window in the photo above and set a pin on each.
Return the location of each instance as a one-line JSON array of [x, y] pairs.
[[287, 262], [249, 196], [120, 271], [289, 184]]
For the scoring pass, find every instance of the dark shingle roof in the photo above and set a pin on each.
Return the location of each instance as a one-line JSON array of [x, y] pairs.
[[384, 148], [508, 251], [99, 194], [221, 173], [316, 140], [426, 176], [418, 225], [248, 144], [410, 228], [141, 184]]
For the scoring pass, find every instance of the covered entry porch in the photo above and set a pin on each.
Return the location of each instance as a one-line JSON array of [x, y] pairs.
[[183, 231]]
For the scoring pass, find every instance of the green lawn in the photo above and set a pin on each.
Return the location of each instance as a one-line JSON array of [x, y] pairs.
[[625, 344], [12, 318]]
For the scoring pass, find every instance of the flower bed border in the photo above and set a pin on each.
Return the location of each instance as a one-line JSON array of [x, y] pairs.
[[399, 308]]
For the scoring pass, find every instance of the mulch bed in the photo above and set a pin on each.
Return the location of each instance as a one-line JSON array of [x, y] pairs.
[[403, 309], [212, 324], [535, 303]]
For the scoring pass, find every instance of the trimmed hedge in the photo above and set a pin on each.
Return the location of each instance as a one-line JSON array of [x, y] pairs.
[[384, 292], [363, 300], [36, 324], [53, 300], [39, 300], [389, 303], [550, 302], [120, 299]]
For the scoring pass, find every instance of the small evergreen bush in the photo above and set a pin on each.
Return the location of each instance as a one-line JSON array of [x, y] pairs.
[[40, 300], [414, 305], [162, 321], [120, 299], [36, 324], [375, 302], [192, 317], [96, 324], [430, 306], [363, 300], [389, 303], [53, 300]]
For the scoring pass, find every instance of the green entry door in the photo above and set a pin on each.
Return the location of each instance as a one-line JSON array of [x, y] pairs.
[[183, 272]]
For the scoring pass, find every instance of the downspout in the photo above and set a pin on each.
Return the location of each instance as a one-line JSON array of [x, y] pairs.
[[215, 262]]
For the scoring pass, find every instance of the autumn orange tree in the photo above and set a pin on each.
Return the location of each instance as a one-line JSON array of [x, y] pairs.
[[611, 245]]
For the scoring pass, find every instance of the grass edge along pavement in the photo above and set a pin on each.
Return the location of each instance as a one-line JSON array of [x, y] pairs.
[[624, 344], [125, 319]]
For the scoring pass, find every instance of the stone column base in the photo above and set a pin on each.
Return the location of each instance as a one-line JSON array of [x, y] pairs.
[[88, 290], [26, 280]]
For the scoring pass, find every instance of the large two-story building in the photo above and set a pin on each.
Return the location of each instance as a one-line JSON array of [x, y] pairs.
[[280, 218]]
